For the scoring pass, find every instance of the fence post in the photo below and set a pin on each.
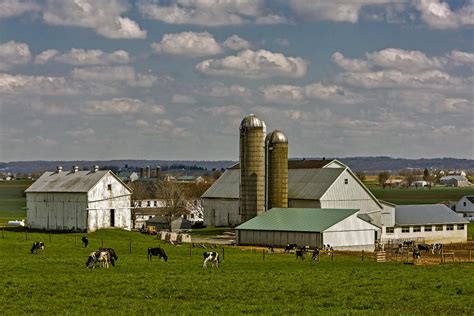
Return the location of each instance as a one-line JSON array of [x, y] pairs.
[[190, 250], [442, 255], [2, 232], [49, 237], [263, 252], [26, 234], [102, 242], [362, 255], [332, 255], [130, 244], [470, 253], [223, 253], [75, 240]]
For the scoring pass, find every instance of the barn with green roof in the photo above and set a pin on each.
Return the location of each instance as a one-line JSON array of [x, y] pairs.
[[343, 229]]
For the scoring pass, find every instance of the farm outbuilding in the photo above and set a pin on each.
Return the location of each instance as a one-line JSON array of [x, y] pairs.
[[430, 223], [343, 229], [78, 201]]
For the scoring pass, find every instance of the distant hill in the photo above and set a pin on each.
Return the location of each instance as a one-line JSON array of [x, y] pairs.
[[366, 164]]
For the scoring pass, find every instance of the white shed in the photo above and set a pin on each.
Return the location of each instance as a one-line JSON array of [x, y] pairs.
[[78, 201], [465, 206], [343, 229]]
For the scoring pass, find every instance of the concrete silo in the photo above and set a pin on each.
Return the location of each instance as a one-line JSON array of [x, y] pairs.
[[252, 167], [276, 163]]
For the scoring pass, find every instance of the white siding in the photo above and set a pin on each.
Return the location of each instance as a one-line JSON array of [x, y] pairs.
[[388, 215], [101, 201], [466, 210], [221, 212], [351, 233], [57, 211], [444, 236]]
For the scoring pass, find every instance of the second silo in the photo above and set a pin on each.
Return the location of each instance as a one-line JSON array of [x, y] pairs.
[[252, 167], [276, 147]]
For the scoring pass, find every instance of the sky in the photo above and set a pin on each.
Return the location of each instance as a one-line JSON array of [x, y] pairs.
[[149, 79]]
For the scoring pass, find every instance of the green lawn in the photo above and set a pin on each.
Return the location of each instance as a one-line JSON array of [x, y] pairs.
[[12, 200], [57, 282], [420, 196]]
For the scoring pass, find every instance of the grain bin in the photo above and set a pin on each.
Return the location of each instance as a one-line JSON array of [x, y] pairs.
[[252, 167], [276, 153]]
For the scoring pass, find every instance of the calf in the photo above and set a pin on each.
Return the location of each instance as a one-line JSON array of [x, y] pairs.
[[85, 241], [424, 247], [112, 255], [300, 254], [315, 256], [38, 245], [211, 256], [159, 252], [416, 255], [101, 257], [437, 248], [270, 248], [290, 247]]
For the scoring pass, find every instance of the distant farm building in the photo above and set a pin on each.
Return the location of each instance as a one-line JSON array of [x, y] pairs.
[[341, 228], [426, 223], [455, 181], [465, 207], [128, 176], [395, 183], [78, 201]]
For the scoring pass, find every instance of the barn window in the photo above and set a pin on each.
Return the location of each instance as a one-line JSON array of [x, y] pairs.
[[155, 203], [346, 181], [109, 187], [389, 230], [460, 226], [449, 227], [439, 228], [148, 203], [405, 229], [416, 229], [464, 203], [428, 228]]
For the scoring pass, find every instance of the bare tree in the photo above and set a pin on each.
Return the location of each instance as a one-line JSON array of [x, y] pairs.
[[383, 177], [175, 199]]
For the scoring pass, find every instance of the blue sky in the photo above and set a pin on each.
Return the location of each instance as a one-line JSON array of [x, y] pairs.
[[172, 79]]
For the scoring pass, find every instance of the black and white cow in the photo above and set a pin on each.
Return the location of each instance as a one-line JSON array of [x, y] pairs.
[[300, 254], [38, 245], [211, 256], [98, 257], [424, 247], [290, 247], [85, 241], [437, 248], [416, 255], [112, 255], [159, 252], [270, 248], [315, 256]]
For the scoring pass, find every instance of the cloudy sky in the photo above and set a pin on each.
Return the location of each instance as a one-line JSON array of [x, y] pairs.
[[172, 79]]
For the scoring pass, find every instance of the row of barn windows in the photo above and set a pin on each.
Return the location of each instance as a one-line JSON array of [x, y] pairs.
[[155, 203], [417, 229]]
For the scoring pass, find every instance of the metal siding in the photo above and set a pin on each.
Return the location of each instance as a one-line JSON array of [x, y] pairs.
[[277, 175], [221, 212], [277, 238]]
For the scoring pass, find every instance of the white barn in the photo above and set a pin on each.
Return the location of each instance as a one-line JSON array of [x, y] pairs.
[[428, 223], [78, 201], [343, 229], [325, 184], [465, 207]]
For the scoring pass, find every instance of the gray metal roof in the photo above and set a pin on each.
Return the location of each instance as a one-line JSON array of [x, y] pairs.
[[308, 184], [426, 214], [67, 181], [458, 178], [252, 121], [276, 137]]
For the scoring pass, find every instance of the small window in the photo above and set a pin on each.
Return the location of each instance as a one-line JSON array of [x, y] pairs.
[[195, 202], [150, 217], [439, 228], [464, 203], [155, 203], [389, 230], [346, 181], [192, 215], [428, 228], [109, 187], [148, 203], [460, 226], [450, 227], [405, 229], [416, 229]]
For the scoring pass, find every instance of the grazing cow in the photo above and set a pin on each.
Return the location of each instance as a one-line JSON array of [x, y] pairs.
[[85, 241], [211, 256], [409, 244], [424, 247], [437, 248], [315, 256], [38, 245], [159, 252], [416, 255], [270, 248], [112, 255], [290, 247], [101, 257], [300, 254]]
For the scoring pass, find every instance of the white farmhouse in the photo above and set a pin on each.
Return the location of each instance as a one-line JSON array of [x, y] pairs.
[[78, 201], [465, 207], [429, 223]]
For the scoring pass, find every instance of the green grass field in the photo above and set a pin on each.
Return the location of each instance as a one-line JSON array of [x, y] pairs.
[[420, 196], [57, 282], [12, 200]]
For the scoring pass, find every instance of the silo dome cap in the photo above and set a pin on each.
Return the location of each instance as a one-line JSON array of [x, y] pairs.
[[276, 137], [251, 121]]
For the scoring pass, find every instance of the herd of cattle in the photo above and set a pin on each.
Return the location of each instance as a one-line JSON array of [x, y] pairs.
[[105, 256]]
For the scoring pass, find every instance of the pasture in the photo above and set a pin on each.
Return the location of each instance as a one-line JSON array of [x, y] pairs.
[[56, 281], [422, 195], [12, 200]]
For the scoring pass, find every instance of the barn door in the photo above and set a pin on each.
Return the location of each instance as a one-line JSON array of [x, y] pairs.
[[112, 218]]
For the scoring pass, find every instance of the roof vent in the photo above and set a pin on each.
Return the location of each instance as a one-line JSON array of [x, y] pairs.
[[75, 169], [59, 169], [324, 158], [96, 168]]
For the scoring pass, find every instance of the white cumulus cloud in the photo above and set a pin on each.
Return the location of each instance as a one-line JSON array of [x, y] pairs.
[[115, 106], [13, 53], [111, 74], [437, 14], [235, 42], [188, 44], [255, 64], [81, 57], [12, 8]]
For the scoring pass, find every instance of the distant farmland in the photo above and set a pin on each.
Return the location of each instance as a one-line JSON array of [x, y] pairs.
[[12, 200], [421, 196]]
